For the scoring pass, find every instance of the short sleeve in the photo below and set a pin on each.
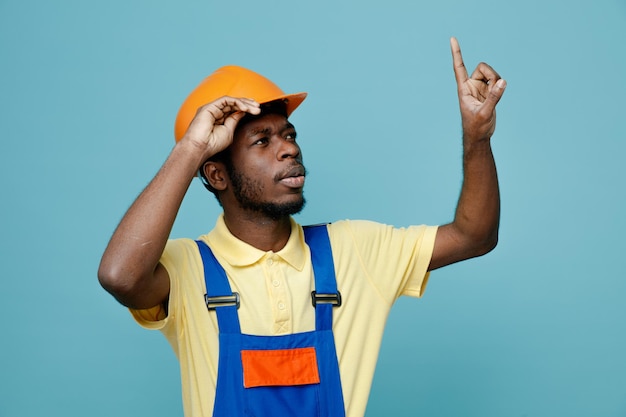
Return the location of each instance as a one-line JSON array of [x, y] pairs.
[[176, 260], [394, 260]]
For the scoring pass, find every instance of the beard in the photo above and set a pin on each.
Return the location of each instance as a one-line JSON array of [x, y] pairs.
[[248, 192]]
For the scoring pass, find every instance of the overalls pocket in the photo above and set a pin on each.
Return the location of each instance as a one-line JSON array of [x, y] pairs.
[[281, 382]]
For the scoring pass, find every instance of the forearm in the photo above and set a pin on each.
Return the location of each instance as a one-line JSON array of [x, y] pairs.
[[474, 230], [132, 255], [477, 214]]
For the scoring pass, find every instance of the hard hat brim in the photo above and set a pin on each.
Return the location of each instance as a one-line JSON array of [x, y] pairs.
[[292, 101]]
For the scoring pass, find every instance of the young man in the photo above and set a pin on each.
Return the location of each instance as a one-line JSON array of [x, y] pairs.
[[256, 344]]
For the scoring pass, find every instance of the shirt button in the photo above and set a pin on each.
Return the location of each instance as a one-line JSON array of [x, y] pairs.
[[281, 306], [270, 261], [276, 283]]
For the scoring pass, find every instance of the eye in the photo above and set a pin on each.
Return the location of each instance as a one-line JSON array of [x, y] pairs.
[[291, 136], [261, 141]]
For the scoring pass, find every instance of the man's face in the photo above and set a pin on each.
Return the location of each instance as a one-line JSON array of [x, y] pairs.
[[266, 171]]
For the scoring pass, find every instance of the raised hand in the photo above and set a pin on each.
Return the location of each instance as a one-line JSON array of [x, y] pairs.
[[478, 96], [213, 126]]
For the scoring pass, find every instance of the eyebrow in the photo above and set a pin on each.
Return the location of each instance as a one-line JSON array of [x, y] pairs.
[[268, 131]]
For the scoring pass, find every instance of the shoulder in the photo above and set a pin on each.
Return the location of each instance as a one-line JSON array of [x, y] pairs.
[[356, 229], [181, 257], [354, 226], [373, 241], [179, 248]]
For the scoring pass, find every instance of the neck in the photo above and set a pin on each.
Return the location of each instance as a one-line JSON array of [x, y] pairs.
[[263, 233]]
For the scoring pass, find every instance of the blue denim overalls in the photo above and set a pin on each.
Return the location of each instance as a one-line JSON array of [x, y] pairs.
[[288, 375]]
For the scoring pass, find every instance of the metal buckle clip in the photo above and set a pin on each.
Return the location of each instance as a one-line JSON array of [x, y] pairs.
[[222, 301], [334, 299]]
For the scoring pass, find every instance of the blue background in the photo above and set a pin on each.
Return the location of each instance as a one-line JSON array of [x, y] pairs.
[[88, 96]]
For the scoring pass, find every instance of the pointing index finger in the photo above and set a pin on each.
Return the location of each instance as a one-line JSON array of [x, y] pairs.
[[460, 72]]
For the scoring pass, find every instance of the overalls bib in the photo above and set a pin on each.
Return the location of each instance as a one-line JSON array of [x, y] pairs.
[[288, 375]]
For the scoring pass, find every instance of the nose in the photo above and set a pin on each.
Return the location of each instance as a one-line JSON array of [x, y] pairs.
[[288, 149]]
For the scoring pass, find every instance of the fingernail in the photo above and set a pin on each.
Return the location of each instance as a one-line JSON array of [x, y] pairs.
[[500, 83]]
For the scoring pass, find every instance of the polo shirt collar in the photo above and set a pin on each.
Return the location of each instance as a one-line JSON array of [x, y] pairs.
[[239, 253]]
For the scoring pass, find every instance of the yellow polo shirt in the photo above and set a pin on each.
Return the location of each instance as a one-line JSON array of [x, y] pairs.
[[374, 265]]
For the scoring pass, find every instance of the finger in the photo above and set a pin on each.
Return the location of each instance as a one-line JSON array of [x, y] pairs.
[[250, 101], [485, 73], [231, 121], [495, 94], [460, 72], [233, 104], [249, 105]]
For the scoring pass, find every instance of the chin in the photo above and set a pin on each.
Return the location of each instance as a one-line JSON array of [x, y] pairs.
[[280, 210]]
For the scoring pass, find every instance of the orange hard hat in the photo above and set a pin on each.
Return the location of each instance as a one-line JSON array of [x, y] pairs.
[[232, 81]]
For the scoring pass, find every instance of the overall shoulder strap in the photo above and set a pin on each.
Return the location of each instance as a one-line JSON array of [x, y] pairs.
[[325, 296], [219, 296]]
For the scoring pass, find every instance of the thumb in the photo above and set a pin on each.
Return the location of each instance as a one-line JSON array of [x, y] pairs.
[[495, 94]]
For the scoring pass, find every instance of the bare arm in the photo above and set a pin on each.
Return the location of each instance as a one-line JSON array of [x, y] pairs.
[[474, 230], [130, 268]]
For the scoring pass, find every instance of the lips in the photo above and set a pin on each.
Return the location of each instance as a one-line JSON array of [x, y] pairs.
[[293, 177]]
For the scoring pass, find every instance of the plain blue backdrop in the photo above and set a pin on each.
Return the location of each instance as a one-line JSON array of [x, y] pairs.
[[88, 96]]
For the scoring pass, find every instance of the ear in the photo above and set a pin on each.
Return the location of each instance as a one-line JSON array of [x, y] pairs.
[[215, 173]]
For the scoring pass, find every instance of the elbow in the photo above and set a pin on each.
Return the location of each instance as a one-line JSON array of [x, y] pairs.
[[474, 245], [108, 278], [117, 282], [486, 245], [454, 245], [133, 288]]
